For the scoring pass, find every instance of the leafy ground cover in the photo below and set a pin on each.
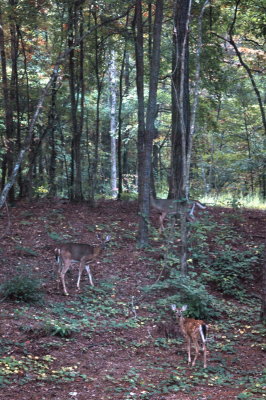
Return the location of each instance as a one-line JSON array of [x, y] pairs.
[[110, 341]]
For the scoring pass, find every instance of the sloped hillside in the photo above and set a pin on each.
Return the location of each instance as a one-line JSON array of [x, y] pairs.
[[109, 341]]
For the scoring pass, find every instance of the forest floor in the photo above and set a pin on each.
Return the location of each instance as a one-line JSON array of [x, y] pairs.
[[103, 343]]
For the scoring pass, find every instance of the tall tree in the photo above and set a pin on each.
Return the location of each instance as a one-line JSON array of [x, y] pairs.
[[183, 121], [7, 165], [146, 129], [113, 122], [123, 74], [73, 20], [180, 96]]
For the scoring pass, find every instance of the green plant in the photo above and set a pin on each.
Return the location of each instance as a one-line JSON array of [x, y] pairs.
[[61, 328], [187, 290], [23, 288], [230, 269], [26, 250], [55, 236], [234, 203]]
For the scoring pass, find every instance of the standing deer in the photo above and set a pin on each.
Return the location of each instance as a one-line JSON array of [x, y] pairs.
[[172, 207], [192, 329], [81, 253]]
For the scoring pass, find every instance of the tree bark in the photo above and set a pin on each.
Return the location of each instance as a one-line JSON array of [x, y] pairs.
[[180, 96], [263, 302], [146, 133], [8, 111], [140, 91], [95, 156], [113, 123], [76, 190], [183, 120], [123, 74]]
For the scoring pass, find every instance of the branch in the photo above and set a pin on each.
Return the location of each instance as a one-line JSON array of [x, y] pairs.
[[256, 90], [234, 19]]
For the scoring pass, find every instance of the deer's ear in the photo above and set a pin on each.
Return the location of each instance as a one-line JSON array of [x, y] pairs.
[[184, 307], [173, 307]]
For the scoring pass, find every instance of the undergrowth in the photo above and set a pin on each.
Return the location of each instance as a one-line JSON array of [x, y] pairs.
[[22, 287]]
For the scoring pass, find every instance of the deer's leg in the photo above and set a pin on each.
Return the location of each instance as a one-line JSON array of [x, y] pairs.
[[81, 267], [196, 345], [87, 267], [59, 261], [188, 349], [204, 355], [62, 274]]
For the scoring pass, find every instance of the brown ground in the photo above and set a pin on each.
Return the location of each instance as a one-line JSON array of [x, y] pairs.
[[105, 360]]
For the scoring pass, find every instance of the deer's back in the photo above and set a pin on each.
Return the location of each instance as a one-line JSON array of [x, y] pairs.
[[77, 251], [192, 325], [164, 205]]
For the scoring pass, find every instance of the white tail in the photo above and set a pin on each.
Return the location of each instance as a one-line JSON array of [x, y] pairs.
[[192, 329], [81, 253], [172, 207]]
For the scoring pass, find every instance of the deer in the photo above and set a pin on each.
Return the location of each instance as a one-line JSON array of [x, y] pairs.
[[192, 329], [172, 207], [81, 253]]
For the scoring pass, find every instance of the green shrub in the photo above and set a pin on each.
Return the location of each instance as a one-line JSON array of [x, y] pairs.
[[181, 290], [231, 269], [23, 288], [60, 328]]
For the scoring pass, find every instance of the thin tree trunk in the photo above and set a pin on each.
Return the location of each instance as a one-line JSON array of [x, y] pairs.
[[95, 156], [76, 189], [14, 88], [183, 120], [8, 111], [140, 91], [51, 128], [124, 63], [145, 145], [263, 302], [184, 141], [180, 87], [113, 123]]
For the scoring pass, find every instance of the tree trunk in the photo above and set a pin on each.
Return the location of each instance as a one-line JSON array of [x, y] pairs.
[[14, 89], [140, 91], [180, 84], [113, 123], [123, 72], [183, 127], [263, 302], [146, 135], [51, 128], [8, 112], [76, 190], [95, 156]]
